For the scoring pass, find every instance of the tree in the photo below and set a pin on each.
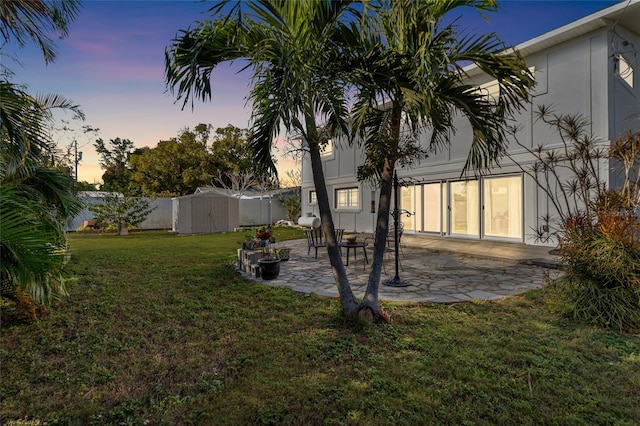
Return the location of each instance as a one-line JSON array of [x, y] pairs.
[[34, 21], [292, 48], [292, 201], [121, 212], [410, 59], [303, 54], [114, 159], [174, 167], [230, 149], [33, 198], [180, 165]]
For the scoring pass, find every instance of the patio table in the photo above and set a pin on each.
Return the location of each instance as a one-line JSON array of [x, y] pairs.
[[354, 246]]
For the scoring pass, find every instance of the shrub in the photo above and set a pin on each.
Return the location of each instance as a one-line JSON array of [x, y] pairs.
[[596, 227], [602, 282], [120, 212]]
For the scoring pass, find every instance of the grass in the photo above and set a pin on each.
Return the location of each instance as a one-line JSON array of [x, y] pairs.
[[159, 329]]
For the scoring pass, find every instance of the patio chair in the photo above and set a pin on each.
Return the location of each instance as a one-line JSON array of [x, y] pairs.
[[315, 239], [391, 244]]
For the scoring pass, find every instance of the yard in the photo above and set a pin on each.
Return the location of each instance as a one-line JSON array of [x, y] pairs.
[[160, 329]]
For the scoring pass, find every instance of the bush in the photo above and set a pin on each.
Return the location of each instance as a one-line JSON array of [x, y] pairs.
[[596, 226], [602, 283], [120, 212]]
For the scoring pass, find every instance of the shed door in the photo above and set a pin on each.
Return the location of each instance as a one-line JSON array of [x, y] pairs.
[[201, 215], [219, 215]]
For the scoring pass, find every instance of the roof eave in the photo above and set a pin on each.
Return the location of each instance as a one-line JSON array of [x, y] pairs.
[[582, 26]]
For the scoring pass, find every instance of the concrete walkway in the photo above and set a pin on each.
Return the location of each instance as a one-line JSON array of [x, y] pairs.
[[442, 270]]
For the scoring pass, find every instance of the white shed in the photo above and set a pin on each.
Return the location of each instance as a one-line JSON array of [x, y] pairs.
[[205, 213]]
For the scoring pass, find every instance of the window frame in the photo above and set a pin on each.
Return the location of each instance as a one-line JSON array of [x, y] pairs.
[[626, 75], [328, 151], [349, 197]]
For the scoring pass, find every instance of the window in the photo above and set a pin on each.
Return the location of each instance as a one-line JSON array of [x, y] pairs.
[[464, 207], [491, 91], [625, 70], [434, 207], [502, 207], [327, 150], [313, 199], [347, 198]]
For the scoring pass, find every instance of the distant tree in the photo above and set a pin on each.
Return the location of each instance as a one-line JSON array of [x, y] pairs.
[[121, 212], [292, 201], [180, 165], [83, 185], [235, 183], [174, 167], [114, 159], [231, 151]]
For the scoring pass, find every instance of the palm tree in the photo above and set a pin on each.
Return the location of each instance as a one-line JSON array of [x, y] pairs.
[[293, 50], [412, 79], [399, 55], [34, 199], [35, 20]]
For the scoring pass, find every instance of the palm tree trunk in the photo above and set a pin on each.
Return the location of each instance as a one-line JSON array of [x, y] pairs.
[[350, 305], [371, 299]]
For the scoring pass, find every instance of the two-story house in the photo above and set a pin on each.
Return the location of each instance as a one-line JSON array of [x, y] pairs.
[[589, 67]]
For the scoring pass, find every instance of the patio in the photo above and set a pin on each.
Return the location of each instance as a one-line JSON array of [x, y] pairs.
[[440, 270]]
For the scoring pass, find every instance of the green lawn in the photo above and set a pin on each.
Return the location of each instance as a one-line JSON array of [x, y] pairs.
[[159, 329]]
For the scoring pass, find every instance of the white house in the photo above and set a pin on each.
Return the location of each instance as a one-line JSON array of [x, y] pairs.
[[589, 67]]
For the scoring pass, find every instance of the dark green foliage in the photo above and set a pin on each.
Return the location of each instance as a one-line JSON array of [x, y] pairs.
[[291, 202], [193, 159], [114, 160], [34, 199]]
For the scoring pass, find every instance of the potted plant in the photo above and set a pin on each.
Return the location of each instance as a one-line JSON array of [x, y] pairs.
[[269, 267], [283, 254], [264, 233]]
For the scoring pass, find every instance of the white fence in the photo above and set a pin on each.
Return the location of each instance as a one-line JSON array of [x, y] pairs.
[[159, 218]]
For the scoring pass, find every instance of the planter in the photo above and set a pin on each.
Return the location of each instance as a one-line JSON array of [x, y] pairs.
[[269, 268], [283, 254], [264, 235]]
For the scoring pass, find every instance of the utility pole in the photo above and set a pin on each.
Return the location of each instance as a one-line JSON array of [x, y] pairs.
[[77, 157]]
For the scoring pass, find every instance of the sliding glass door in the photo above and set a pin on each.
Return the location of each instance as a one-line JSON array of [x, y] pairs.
[[464, 212], [491, 207], [502, 201]]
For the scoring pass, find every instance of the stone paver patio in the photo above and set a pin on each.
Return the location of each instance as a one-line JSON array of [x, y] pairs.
[[446, 275]]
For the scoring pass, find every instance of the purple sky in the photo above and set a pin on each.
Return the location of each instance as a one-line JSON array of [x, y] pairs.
[[112, 65]]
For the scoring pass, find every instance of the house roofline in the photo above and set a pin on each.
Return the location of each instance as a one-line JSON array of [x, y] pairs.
[[601, 19]]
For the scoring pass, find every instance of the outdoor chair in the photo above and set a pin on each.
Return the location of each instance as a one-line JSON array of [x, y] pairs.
[[315, 239], [390, 244]]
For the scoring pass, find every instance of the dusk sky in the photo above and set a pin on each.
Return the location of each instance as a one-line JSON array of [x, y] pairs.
[[112, 65]]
